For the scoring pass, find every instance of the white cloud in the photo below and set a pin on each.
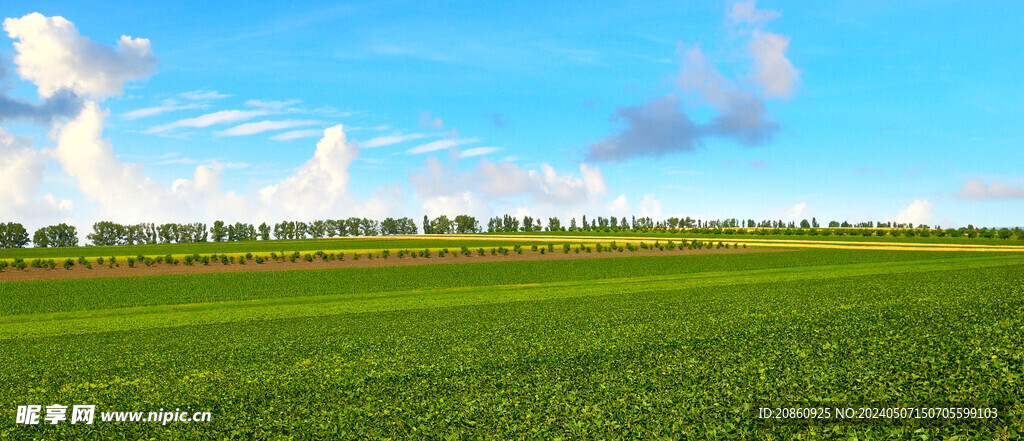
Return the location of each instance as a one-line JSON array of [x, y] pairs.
[[209, 119], [427, 120], [745, 12], [453, 205], [54, 56], [22, 168], [122, 190], [978, 189], [441, 144], [798, 212], [545, 190], [593, 180], [319, 186], [650, 207], [619, 207], [773, 71], [210, 162], [478, 151], [297, 134], [918, 212], [273, 105], [263, 126], [164, 107], [386, 140], [203, 95], [545, 186]]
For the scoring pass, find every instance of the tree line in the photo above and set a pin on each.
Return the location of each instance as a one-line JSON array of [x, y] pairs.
[[105, 233]]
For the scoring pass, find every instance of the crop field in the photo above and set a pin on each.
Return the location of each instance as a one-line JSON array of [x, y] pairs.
[[438, 242], [652, 347], [242, 247]]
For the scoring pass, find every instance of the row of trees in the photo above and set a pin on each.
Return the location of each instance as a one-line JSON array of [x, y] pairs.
[[14, 235], [109, 233], [61, 235], [462, 224]]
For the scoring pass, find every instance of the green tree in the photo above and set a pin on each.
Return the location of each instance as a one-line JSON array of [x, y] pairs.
[[465, 224], [39, 239], [264, 231], [554, 224], [442, 225], [219, 231]]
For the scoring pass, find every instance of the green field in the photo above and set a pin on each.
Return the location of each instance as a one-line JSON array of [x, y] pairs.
[[664, 347]]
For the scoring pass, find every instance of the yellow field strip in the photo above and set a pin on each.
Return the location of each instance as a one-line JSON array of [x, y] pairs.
[[832, 244]]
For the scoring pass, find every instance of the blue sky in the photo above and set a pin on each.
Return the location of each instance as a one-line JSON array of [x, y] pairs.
[[774, 110]]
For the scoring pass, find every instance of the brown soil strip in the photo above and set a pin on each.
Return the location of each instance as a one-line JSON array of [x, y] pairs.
[[80, 272]]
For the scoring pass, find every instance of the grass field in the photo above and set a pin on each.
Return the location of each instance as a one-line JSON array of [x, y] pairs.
[[665, 347]]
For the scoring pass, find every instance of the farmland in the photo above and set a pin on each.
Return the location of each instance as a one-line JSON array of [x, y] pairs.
[[655, 346]]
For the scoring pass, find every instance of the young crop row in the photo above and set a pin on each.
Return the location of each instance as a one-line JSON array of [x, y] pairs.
[[229, 259]]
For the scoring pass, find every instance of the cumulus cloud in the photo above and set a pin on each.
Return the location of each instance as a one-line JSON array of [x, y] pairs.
[[978, 189], [773, 71], [653, 128], [320, 185], [746, 12], [442, 188], [797, 212], [650, 206], [428, 120], [53, 55], [61, 62], [209, 119], [264, 126], [660, 126], [619, 206], [63, 103], [918, 212], [121, 190], [22, 168]]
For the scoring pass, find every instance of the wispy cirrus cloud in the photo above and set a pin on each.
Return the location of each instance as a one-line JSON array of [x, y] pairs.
[[478, 151], [386, 140], [270, 104], [165, 106], [297, 134], [203, 95], [440, 145], [264, 126], [184, 160], [209, 119]]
